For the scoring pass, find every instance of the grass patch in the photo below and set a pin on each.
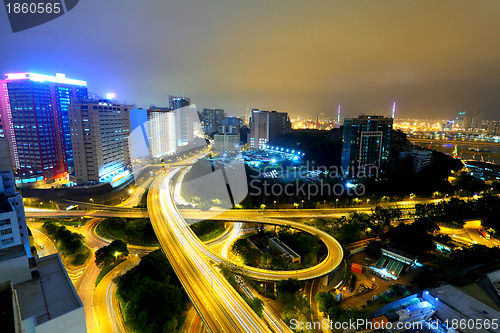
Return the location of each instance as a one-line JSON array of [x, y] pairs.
[[208, 230], [131, 231], [106, 269]]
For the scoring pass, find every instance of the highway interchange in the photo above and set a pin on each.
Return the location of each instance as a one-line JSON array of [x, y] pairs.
[[217, 303]]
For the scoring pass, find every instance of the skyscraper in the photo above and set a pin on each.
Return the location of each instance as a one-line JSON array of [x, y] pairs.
[[184, 119], [266, 125], [366, 142], [230, 125], [212, 120], [99, 134], [177, 102], [470, 120], [6, 125], [161, 132], [13, 228], [41, 137], [36, 293]]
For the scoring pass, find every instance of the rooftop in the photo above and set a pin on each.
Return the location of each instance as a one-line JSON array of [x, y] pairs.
[[58, 78], [284, 248], [464, 303], [49, 296]]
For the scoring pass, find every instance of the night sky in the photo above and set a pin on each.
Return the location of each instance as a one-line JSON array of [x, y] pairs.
[[434, 58]]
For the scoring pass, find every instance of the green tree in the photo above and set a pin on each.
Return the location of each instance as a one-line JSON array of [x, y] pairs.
[[289, 286], [325, 301], [108, 254], [374, 249]]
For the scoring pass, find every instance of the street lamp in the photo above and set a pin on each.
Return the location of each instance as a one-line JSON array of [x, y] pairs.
[[302, 204], [91, 200], [274, 204]]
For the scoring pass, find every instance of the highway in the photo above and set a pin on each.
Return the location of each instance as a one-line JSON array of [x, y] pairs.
[[470, 234], [473, 143], [222, 245], [219, 306], [105, 304], [103, 211], [45, 246], [329, 264]]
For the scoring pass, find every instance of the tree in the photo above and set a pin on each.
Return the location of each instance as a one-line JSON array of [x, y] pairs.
[[107, 255], [152, 296], [325, 301], [288, 286], [374, 249], [257, 305]]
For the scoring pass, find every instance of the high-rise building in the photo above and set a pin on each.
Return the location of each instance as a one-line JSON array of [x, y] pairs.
[[470, 120], [212, 120], [477, 120], [36, 293], [99, 134], [459, 120], [230, 125], [177, 102], [13, 228], [184, 119], [6, 124], [493, 128], [366, 142], [267, 125], [41, 137], [6, 160], [161, 132]]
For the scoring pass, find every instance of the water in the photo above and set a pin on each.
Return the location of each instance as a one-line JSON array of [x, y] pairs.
[[490, 152]]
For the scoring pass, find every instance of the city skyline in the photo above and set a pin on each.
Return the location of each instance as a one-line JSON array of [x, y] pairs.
[[301, 59], [262, 166]]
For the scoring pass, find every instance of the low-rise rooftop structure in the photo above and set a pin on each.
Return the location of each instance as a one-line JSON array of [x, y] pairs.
[[277, 246]]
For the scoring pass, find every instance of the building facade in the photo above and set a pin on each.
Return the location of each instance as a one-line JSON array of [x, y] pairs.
[[184, 119], [212, 120], [230, 125], [470, 120], [6, 124], [37, 111], [366, 142], [161, 132], [267, 125], [13, 228], [226, 142], [99, 133], [177, 102]]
